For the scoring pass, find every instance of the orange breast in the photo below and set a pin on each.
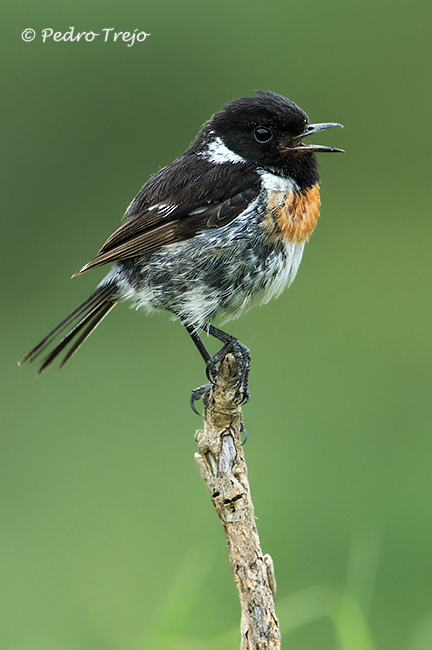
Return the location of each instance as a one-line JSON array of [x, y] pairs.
[[292, 216]]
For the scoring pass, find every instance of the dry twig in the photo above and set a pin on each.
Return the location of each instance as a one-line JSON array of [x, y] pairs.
[[222, 465]]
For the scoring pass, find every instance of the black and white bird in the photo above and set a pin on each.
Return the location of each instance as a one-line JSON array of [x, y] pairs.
[[219, 229]]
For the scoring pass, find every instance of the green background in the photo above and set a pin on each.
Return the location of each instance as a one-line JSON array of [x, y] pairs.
[[108, 538]]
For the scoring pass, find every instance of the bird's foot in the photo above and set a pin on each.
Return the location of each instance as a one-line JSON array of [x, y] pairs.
[[242, 357], [197, 394]]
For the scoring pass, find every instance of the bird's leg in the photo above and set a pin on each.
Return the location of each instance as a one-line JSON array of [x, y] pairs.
[[233, 345], [197, 340], [241, 354], [198, 392]]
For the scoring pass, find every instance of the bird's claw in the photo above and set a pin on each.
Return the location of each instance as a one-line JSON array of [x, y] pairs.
[[211, 370], [243, 430], [197, 394], [242, 356]]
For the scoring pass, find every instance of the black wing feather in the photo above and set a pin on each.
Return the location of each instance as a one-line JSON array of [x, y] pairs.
[[183, 215]]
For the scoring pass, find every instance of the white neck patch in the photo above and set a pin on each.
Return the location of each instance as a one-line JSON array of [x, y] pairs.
[[218, 153], [275, 183]]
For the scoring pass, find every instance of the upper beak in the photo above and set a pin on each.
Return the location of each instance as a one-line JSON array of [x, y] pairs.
[[314, 128]]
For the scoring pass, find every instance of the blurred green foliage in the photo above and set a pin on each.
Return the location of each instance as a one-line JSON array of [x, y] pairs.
[[108, 538]]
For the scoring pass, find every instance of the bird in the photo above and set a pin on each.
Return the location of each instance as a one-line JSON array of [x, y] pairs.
[[219, 229]]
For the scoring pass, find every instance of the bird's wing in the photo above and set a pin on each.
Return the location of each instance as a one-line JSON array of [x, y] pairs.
[[180, 216]]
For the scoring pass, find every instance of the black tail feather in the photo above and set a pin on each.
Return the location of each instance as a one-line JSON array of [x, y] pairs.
[[97, 318], [91, 319], [87, 315]]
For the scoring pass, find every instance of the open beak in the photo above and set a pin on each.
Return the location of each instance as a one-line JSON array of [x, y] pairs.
[[313, 128]]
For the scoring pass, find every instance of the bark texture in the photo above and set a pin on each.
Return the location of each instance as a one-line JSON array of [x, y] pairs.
[[222, 465]]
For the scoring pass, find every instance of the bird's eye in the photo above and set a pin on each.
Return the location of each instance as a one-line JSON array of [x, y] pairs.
[[262, 134]]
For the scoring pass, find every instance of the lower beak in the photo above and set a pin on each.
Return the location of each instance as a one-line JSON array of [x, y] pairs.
[[314, 128]]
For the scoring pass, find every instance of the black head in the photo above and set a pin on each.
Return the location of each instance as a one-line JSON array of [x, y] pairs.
[[267, 130]]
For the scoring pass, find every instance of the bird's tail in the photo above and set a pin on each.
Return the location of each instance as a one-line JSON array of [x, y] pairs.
[[76, 327]]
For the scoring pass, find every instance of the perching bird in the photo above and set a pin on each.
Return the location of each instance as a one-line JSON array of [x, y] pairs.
[[219, 229]]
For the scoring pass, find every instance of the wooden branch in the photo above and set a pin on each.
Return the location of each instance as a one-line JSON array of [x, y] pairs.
[[222, 466]]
